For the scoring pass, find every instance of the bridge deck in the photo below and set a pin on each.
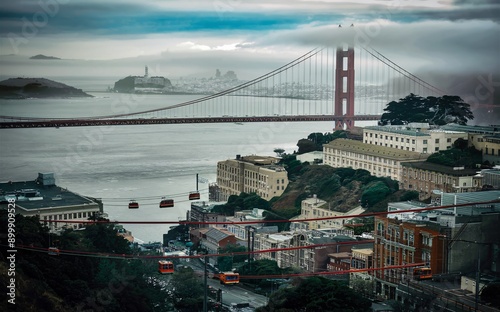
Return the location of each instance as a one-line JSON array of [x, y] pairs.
[[40, 123]]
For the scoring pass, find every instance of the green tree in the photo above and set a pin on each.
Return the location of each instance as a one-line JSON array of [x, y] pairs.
[[434, 110], [448, 109], [317, 294], [227, 263], [306, 146], [186, 290], [279, 152], [373, 193]]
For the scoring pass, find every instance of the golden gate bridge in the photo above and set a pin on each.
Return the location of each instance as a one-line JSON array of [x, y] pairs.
[[340, 84]]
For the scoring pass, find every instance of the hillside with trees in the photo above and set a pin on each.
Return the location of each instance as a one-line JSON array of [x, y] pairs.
[[94, 273]]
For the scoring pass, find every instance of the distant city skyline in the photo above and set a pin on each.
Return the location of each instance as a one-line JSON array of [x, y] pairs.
[[450, 41]]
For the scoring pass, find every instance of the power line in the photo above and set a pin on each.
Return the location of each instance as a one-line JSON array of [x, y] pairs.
[[371, 214]]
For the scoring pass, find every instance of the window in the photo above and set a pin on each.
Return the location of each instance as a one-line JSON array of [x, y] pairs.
[[448, 140], [397, 139], [425, 142], [412, 141], [437, 141]]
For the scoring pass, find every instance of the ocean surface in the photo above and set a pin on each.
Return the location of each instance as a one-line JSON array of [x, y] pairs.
[[145, 163]]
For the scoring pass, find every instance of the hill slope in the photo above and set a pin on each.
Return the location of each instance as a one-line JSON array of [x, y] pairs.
[[22, 88]]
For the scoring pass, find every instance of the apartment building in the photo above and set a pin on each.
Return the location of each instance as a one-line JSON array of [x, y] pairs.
[[312, 259], [251, 174], [491, 177], [400, 243], [201, 212], [314, 207], [416, 138], [425, 177], [380, 161], [489, 145], [43, 198]]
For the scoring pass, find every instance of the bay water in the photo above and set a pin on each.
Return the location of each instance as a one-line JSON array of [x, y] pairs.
[[141, 162]]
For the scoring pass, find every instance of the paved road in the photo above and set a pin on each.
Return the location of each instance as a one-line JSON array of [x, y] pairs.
[[237, 294]]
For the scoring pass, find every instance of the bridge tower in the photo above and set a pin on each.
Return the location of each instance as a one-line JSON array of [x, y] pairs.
[[344, 88]]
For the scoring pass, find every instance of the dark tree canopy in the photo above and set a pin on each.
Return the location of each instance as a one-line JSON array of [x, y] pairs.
[[317, 294], [433, 110], [315, 141]]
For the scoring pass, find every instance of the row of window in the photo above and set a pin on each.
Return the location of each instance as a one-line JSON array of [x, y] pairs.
[[362, 156], [69, 216], [403, 139]]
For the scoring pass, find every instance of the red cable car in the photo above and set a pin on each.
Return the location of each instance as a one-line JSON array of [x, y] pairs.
[[166, 203], [165, 267], [194, 195], [133, 205]]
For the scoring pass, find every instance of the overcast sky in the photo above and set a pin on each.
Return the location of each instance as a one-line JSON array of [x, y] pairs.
[[456, 42]]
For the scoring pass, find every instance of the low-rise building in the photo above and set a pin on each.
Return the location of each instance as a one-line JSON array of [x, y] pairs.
[[251, 174], [214, 239], [412, 137], [312, 259], [489, 145], [43, 198], [312, 208], [425, 177], [201, 212], [491, 177], [380, 161], [339, 261]]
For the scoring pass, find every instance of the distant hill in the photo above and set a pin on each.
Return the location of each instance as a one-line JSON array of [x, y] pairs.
[[22, 88], [43, 57]]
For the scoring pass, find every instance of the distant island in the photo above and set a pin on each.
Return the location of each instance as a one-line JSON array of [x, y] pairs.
[[22, 88], [43, 57], [143, 84]]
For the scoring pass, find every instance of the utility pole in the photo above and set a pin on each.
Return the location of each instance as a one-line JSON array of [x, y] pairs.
[[205, 286], [478, 276]]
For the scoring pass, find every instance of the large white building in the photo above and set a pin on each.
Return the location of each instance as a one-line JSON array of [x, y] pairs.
[[43, 198], [251, 174], [312, 208], [380, 161], [415, 138]]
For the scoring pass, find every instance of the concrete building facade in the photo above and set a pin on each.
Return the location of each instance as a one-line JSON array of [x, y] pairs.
[[251, 174], [421, 140], [425, 177], [400, 243], [380, 161], [43, 198]]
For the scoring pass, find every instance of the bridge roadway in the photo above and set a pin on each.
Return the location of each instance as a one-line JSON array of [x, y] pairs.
[[47, 123]]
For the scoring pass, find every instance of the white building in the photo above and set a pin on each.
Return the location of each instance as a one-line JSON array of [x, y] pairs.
[[412, 137], [379, 160], [312, 208], [43, 198]]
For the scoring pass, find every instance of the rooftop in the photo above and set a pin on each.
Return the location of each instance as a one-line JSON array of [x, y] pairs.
[[374, 150], [453, 171], [218, 234], [473, 129], [33, 195], [398, 129], [259, 160]]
